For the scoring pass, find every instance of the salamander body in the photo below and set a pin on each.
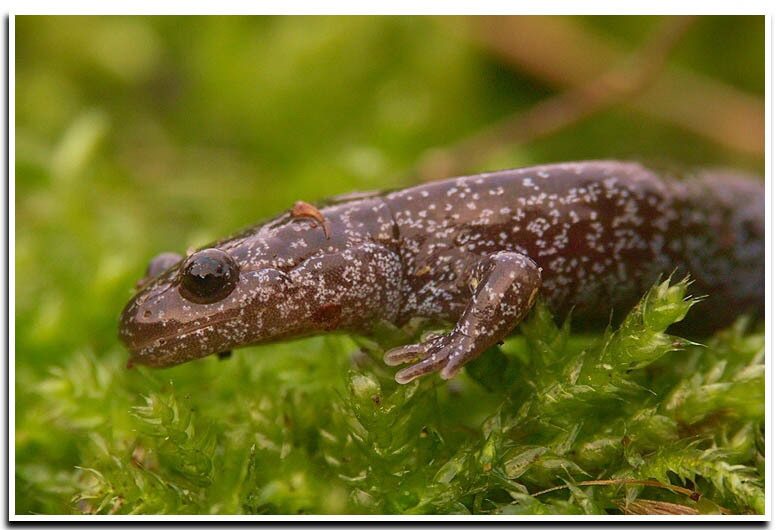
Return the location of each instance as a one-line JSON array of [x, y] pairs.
[[476, 251]]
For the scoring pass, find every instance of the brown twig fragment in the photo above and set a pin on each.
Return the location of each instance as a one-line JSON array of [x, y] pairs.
[[651, 507], [693, 495], [304, 209]]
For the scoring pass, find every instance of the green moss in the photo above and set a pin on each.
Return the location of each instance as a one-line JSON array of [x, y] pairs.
[[304, 433]]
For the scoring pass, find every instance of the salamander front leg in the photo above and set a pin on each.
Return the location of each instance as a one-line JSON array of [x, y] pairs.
[[504, 286]]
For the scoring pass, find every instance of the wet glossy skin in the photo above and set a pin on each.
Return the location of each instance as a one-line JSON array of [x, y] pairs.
[[475, 251]]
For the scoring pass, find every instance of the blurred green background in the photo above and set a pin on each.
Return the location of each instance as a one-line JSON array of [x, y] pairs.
[[137, 135]]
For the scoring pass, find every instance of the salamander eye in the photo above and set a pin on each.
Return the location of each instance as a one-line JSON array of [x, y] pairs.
[[207, 276]]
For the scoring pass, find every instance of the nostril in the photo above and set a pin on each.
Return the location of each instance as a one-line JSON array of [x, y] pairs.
[[147, 314]]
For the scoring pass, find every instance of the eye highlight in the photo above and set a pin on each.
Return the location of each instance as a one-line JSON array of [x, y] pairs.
[[207, 276]]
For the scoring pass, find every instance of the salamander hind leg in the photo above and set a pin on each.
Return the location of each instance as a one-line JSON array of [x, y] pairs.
[[504, 286]]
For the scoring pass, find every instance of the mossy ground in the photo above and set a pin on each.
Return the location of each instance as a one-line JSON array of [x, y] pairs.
[[317, 427], [140, 135]]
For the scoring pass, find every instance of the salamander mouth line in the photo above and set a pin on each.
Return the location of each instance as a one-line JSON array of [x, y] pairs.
[[163, 339]]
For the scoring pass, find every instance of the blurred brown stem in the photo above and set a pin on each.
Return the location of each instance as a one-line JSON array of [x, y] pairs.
[[554, 49], [559, 50]]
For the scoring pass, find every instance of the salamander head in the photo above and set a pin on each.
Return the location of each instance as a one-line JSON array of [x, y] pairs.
[[304, 272], [201, 305]]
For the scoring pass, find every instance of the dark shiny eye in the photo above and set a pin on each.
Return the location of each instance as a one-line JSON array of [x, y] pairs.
[[207, 276]]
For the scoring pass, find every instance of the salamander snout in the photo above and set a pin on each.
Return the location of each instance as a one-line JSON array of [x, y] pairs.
[[176, 295]]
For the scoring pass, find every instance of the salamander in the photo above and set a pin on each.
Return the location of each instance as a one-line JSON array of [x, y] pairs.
[[475, 251]]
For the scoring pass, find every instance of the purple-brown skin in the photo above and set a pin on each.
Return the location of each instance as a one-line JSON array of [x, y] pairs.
[[476, 251]]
